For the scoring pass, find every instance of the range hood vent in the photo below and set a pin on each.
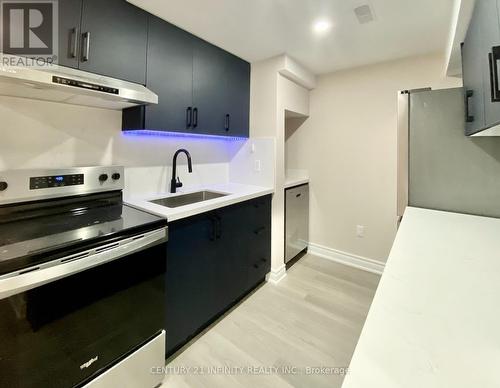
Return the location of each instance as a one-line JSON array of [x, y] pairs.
[[70, 86]]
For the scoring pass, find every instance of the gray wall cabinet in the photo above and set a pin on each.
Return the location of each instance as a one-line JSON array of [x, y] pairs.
[[448, 171], [480, 61]]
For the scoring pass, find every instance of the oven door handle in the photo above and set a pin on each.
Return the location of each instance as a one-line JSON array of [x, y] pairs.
[[29, 279]]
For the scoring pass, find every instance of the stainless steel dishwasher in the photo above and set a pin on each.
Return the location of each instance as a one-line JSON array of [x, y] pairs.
[[296, 221]]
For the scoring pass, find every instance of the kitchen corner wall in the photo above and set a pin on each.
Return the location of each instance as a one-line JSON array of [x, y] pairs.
[[275, 89], [349, 147], [39, 134]]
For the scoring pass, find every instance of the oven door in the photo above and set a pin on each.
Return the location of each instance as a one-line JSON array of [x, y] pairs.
[[63, 324]]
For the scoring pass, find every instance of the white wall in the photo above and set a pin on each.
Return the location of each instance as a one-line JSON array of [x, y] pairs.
[[349, 146], [243, 169]]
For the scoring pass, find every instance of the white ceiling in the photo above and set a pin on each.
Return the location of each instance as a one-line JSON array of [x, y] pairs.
[[260, 29]]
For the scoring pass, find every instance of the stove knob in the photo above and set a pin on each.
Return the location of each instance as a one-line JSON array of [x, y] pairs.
[[103, 177], [3, 186], [116, 176]]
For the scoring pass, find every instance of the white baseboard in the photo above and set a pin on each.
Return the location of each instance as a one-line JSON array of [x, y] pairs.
[[370, 265], [276, 275]]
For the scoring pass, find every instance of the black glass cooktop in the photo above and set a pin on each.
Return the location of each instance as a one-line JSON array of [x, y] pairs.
[[32, 234]]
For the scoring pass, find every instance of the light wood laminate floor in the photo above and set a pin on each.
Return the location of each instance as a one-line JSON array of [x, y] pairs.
[[312, 318]]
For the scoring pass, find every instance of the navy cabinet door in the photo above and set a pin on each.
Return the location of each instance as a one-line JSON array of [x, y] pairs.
[[70, 12], [190, 279], [170, 76], [115, 33], [232, 258], [208, 88], [259, 244], [213, 260], [237, 89]]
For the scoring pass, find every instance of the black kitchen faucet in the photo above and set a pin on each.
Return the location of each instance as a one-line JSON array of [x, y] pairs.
[[175, 182]]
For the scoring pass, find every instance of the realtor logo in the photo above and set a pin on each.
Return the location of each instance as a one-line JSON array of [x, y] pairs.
[[29, 28]]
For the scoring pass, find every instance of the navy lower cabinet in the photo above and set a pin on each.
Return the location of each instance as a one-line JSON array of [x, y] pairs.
[[213, 260]]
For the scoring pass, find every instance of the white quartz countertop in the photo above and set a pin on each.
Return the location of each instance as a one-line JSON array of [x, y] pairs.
[[296, 178], [435, 318], [236, 193]]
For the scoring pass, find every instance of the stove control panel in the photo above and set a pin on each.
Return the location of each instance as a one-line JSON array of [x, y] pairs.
[[45, 182], [39, 184]]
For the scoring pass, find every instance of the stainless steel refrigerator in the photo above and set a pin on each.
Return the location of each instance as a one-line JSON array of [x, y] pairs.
[[438, 166]]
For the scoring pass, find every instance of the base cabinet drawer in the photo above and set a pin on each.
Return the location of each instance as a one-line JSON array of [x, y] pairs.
[[213, 260]]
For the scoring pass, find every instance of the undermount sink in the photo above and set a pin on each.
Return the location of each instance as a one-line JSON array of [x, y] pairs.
[[187, 199]]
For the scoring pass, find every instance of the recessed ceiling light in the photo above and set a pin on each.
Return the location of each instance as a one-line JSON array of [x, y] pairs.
[[322, 26]]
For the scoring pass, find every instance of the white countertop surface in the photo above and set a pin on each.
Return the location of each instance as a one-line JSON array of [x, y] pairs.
[[435, 318], [237, 193], [296, 178]]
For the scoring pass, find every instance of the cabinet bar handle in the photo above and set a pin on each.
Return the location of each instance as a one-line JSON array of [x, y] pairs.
[[189, 117], [86, 46], [73, 42], [195, 117], [468, 117], [227, 122], [494, 57]]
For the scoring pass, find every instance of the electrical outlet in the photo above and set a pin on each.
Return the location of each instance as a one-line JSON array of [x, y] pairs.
[[257, 166], [252, 148], [360, 231]]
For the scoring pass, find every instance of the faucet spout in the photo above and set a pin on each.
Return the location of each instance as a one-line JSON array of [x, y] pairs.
[[175, 181]]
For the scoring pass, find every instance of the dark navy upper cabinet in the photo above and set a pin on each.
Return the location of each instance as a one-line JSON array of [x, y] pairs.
[[114, 39], [70, 14], [170, 76], [208, 88], [480, 63], [69, 18], [237, 106], [201, 88], [104, 37]]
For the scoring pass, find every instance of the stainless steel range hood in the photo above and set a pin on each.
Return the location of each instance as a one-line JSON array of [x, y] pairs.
[[70, 86]]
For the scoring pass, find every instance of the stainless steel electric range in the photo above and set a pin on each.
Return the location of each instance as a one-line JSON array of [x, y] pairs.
[[82, 289]]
